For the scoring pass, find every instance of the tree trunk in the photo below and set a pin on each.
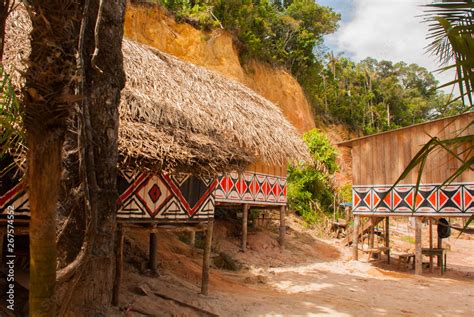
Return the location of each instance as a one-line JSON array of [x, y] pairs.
[[44, 176], [104, 79], [48, 98]]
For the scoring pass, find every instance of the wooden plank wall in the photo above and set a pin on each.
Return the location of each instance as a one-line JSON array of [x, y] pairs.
[[269, 169], [380, 160]]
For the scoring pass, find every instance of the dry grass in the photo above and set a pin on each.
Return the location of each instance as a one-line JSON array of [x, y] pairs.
[[176, 116]]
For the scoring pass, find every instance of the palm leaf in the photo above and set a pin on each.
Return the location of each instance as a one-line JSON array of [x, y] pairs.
[[451, 25]]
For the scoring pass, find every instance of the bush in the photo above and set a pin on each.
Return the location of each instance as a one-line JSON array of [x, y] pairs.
[[309, 186]]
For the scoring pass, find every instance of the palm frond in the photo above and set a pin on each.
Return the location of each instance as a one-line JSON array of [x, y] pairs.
[[451, 29]]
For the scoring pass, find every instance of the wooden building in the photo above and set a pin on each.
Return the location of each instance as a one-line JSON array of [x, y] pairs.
[[181, 128], [379, 160]]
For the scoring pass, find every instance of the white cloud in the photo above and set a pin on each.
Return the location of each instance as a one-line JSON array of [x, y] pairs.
[[387, 29]]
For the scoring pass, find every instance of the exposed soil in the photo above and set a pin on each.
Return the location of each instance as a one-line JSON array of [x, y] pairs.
[[310, 277]]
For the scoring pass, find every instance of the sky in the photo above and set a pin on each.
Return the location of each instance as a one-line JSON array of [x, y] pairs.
[[383, 29]]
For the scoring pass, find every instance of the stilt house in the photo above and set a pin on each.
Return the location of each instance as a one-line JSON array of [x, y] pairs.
[[378, 161]]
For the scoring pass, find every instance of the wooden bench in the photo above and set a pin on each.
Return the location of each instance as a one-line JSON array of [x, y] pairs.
[[378, 250], [404, 259]]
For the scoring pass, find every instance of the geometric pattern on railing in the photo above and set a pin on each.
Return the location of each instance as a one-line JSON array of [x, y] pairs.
[[165, 198], [143, 197], [452, 199], [251, 188]]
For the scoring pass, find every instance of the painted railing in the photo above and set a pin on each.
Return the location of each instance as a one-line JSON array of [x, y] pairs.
[[455, 199], [251, 188]]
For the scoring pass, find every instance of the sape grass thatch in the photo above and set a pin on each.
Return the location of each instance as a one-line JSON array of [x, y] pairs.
[[178, 117]]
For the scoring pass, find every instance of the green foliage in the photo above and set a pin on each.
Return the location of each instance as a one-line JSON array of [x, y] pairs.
[[198, 13], [280, 33], [374, 96], [345, 193], [11, 133], [370, 96], [309, 186]]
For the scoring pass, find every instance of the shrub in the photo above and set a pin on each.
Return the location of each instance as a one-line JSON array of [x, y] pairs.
[[309, 185]]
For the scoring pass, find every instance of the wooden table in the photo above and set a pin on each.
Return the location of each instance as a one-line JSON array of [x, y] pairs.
[[438, 252]]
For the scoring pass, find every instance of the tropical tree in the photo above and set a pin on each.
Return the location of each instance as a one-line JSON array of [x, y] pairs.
[[48, 99], [72, 90]]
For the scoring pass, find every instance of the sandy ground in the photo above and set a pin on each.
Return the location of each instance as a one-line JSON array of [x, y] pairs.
[[310, 277]]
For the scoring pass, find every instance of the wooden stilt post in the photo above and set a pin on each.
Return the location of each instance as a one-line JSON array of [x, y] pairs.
[[431, 244], [282, 226], [206, 259], [355, 238], [387, 238], [418, 255], [371, 235], [439, 246], [152, 260], [245, 214], [192, 238], [118, 265]]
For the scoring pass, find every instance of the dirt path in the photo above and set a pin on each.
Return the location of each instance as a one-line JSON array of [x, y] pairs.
[[316, 281]]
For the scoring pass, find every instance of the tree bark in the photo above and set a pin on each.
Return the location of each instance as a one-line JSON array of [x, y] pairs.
[[48, 100], [44, 176], [104, 79]]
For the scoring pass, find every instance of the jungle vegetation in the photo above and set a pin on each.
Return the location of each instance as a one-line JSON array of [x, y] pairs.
[[368, 96], [310, 186]]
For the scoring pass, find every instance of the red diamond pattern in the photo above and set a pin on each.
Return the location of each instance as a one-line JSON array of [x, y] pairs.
[[254, 186], [396, 199], [276, 190], [432, 198], [251, 186], [356, 199], [409, 199], [376, 200], [457, 198], [388, 199], [241, 186], [367, 199], [467, 198], [266, 188], [442, 198], [154, 193]]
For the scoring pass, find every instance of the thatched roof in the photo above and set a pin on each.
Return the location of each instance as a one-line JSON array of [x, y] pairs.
[[177, 116]]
